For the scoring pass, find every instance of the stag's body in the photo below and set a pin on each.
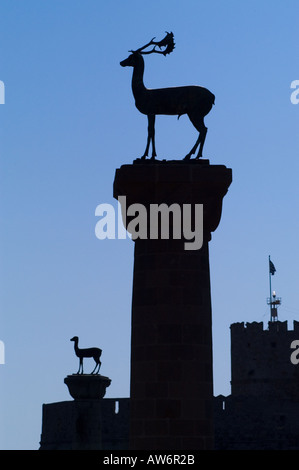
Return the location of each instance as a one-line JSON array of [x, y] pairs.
[[95, 353], [195, 101]]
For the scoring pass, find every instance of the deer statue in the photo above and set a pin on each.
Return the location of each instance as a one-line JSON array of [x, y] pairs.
[[195, 101], [95, 353]]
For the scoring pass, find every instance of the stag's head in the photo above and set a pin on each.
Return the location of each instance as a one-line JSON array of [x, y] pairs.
[[166, 44], [131, 61]]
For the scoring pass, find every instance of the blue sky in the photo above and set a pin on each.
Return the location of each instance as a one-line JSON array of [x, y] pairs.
[[69, 121]]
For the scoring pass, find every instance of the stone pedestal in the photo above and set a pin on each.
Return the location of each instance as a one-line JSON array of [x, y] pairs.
[[77, 424], [87, 387], [171, 343]]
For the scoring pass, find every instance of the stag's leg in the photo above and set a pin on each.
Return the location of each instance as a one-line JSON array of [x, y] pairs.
[[147, 146], [202, 141], [193, 150], [150, 136], [199, 125]]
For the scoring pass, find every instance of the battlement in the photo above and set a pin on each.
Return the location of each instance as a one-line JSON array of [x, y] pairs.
[[242, 326], [260, 359], [256, 327]]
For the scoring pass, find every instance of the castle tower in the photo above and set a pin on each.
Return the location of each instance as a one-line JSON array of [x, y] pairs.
[[261, 360], [171, 343]]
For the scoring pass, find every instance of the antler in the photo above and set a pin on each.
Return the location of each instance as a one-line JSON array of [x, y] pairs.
[[167, 42]]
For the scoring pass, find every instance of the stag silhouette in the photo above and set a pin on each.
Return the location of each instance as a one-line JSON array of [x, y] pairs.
[[195, 101], [95, 353]]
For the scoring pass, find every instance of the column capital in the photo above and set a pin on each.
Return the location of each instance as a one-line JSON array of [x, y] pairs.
[[169, 182], [87, 386]]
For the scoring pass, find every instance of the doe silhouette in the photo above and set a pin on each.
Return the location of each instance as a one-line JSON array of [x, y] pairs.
[[95, 353]]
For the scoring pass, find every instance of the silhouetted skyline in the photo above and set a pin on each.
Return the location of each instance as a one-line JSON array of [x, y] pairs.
[[69, 121]]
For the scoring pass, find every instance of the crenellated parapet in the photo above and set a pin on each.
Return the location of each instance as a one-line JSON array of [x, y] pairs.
[[261, 359]]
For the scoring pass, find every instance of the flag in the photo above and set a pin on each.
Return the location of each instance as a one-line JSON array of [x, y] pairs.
[[271, 267]]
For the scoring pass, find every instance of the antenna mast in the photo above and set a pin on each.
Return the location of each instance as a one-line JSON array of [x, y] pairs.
[[273, 301]]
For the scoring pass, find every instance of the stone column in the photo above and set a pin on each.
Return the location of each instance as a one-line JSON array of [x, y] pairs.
[[77, 424], [171, 344]]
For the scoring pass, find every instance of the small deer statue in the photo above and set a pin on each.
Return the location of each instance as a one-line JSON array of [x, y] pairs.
[[95, 353], [195, 101]]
